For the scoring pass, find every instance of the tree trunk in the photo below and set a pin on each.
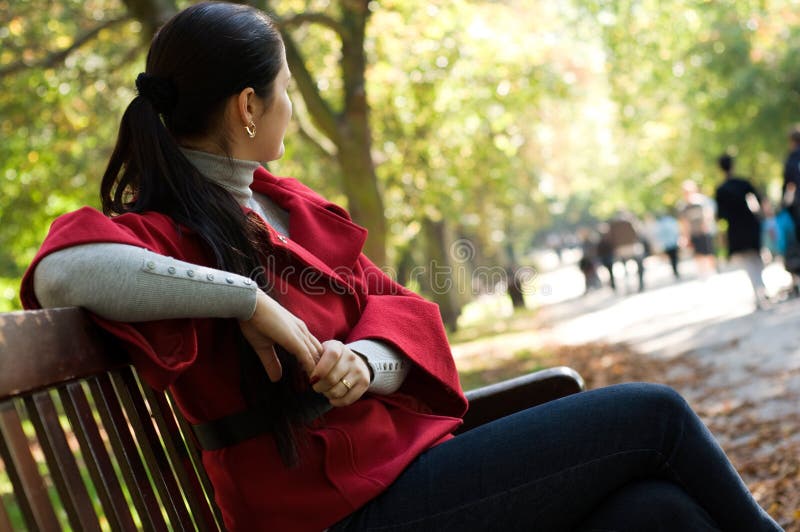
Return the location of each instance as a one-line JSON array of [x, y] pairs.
[[349, 130], [359, 181], [365, 203], [443, 279], [513, 280], [151, 14]]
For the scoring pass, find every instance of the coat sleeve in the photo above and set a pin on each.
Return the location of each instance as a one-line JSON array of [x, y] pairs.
[[160, 350], [398, 316]]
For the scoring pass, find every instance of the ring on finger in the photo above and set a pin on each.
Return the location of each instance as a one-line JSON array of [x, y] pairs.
[[346, 384]]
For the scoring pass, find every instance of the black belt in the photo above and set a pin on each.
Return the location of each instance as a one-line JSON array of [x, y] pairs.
[[240, 426]]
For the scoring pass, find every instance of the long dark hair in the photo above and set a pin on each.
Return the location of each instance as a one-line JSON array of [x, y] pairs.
[[197, 60]]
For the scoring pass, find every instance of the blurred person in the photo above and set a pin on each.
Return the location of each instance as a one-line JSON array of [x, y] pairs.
[[626, 242], [605, 254], [588, 260], [791, 176], [648, 235], [791, 245], [699, 227], [668, 233], [772, 237], [739, 204]]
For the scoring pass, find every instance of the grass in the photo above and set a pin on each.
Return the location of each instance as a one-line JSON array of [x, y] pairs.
[[484, 322], [490, 316], [492, 371]]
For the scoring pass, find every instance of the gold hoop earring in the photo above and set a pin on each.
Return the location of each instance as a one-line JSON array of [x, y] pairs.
[[251, 129]]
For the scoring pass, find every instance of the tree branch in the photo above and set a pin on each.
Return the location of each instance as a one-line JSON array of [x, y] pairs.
[[321, 114], [129, 56], [353, 60], [322, 19], [54, 58], [151, 13], [325, 152]]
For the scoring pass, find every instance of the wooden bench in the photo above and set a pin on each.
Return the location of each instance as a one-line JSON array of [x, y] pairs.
[[84, 443]]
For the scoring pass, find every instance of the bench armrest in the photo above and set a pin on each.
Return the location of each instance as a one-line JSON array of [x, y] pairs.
[[507, 397]]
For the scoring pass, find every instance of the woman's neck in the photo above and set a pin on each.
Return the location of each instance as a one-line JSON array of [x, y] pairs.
[[235, 175]]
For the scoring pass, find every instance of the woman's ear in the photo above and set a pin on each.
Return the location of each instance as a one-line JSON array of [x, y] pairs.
[[244, 105]]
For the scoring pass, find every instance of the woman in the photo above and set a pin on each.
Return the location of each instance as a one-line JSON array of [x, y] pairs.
[[221, 279]]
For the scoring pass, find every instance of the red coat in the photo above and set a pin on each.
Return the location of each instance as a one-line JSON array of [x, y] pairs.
[[357, 450]]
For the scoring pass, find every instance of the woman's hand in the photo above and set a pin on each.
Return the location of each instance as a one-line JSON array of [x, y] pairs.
[[341, 375], [272, 324]]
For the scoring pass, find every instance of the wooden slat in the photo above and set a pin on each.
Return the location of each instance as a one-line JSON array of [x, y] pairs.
[[179, 456], [5, 457], [126, 451], [150, 444], [5, 521], [61, 462], [197, 461], [17, 494], [96, 457], [67, 346], [29, 486]]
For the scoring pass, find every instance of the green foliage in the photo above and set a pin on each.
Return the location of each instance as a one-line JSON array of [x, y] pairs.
[[695, 79], [501, 118], [57, 125], [452, 118]]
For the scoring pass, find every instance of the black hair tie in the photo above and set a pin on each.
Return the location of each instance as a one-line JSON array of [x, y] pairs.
[[159, 91]]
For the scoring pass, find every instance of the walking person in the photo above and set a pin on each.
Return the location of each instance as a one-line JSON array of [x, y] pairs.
[[605, 253], [327, 393], [667, 233], [588, 261], [739, 204], [791, 176], [699, 227], [627, 242]]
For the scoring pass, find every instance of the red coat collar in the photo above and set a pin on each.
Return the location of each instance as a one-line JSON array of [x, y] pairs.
[[321, 233]]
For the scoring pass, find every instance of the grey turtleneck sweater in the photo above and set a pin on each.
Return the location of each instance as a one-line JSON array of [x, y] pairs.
[[127, 283]]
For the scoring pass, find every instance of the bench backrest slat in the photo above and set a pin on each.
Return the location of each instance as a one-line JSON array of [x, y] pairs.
[[149, 443], [202, 482], [32, 497], [66, 476], [101, 469], [103, 448], [5, 520], [125, 449], [178, 451]]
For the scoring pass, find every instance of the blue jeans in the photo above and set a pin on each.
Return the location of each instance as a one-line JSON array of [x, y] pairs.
[[624, 458]]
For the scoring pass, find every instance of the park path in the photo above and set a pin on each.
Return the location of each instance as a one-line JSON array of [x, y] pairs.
[[737, 366], [750, 356]]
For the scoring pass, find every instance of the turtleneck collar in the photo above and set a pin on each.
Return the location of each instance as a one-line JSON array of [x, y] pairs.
[[235, 175]]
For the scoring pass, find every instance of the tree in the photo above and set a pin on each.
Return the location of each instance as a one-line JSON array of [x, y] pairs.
[[64, 67], [344, 122]]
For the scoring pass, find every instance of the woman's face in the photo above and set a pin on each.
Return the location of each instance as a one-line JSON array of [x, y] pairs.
[[271, 123]]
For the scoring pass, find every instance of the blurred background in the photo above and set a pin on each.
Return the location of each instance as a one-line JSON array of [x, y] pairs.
[[462, 134]]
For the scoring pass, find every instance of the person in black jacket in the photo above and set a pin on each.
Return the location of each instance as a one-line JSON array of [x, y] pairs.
[[791, 176], [739, 204]]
